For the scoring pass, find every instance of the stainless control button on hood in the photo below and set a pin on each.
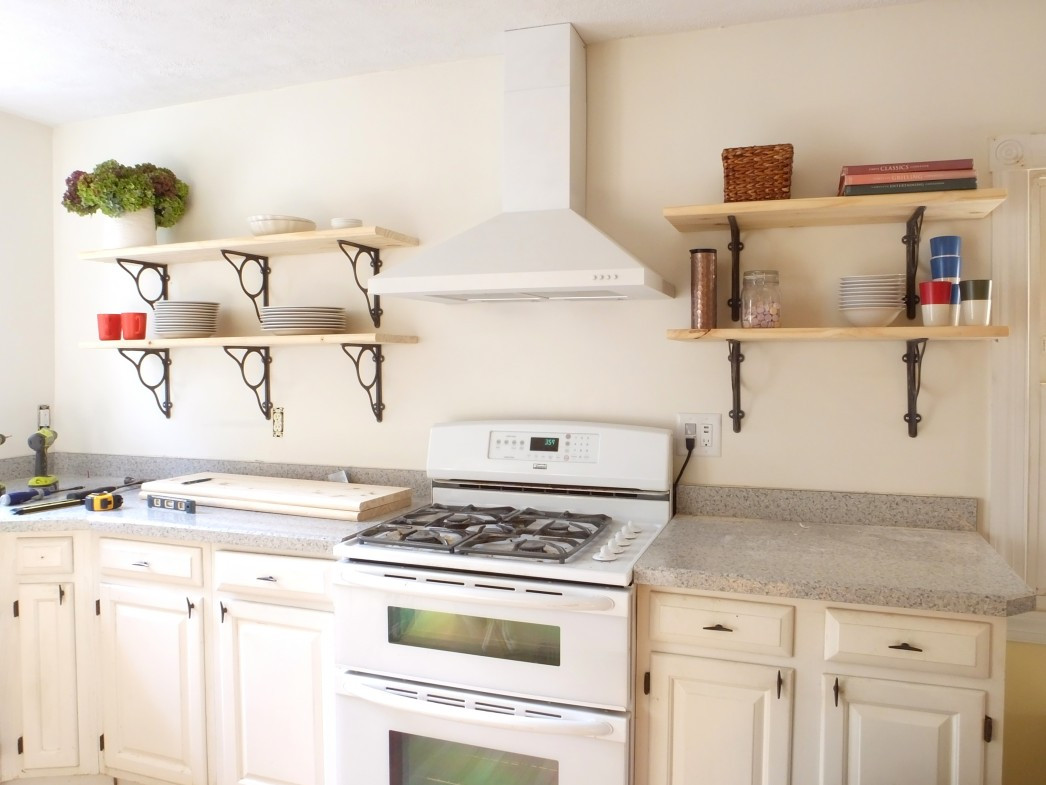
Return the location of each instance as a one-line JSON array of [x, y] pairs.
[[540, 247]]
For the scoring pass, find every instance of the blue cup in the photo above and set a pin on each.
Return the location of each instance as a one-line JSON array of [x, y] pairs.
[[945, 267], [945, 245]]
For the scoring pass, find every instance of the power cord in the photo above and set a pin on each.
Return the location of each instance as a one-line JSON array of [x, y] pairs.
[[690, 443]]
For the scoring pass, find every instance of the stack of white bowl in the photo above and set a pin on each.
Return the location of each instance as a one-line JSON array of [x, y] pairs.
[[185, 319], [302, 319], [871, 300]]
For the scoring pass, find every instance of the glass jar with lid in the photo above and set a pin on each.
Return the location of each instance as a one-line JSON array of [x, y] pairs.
[[760, 299]]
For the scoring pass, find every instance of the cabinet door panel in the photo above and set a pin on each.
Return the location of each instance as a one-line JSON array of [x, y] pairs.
[[47, 650], [887, 731], [718, 722], [276, 697], [153, 689]]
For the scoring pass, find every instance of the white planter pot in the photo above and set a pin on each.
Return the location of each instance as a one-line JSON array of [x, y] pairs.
[[130, 229]]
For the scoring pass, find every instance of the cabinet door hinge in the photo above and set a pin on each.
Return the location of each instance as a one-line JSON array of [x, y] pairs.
[[646, 683], [21, 745], [987, 728], [15, 606], [101, 743], [97, 607]]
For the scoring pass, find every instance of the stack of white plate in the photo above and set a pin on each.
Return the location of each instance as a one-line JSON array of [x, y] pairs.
[[871, 300], [185, 319], [302, 319]]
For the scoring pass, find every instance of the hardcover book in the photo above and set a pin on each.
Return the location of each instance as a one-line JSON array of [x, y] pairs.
[[913, 186], [904, 177], [910, 166]]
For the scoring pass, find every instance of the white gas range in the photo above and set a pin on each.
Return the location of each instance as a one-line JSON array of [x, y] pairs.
[[491, 630]]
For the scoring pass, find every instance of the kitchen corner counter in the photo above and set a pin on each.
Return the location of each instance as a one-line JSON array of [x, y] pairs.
[[299, 535], [935, 570]]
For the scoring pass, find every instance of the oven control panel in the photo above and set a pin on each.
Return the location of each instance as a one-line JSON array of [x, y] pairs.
[[544, 446]]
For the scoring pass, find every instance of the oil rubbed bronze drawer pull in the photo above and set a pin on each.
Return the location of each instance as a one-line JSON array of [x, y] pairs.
[[718, 628], [905, 647], [269, 578]]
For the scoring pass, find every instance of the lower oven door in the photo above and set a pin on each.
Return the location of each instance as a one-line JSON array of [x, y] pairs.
[[405, 733], [567, 643]]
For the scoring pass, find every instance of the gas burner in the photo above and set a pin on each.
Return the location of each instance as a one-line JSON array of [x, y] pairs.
[[400, 534], [561, 524], [524, 546]]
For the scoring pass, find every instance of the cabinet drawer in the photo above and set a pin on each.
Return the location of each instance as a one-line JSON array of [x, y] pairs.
[[920, 643], [43, 555], [181, 564], [294, 577], [710, 622]]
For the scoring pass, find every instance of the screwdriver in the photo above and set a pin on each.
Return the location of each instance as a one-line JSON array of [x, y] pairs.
[[129, 482], [21, 497]]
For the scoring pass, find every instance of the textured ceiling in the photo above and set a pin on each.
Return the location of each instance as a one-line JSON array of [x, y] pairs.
[[68, 60]]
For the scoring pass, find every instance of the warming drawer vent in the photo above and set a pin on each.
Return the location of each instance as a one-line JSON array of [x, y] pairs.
[[561, 490]]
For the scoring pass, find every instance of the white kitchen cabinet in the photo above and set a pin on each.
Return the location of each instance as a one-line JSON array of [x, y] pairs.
[[878, 731], [152, 653], [874, 695], [275, 670], [718, 722], [46, 727]]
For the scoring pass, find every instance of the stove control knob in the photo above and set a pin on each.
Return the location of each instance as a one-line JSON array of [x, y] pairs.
[[606, 553], [621, 541], [631, 531]]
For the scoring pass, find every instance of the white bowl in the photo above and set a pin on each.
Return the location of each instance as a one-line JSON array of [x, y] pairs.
[[345, 223], [279, 224], [871, 317]]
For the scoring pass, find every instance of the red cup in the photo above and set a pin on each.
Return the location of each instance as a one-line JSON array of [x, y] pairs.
[[109, 326], [935, 292], [133, 325]]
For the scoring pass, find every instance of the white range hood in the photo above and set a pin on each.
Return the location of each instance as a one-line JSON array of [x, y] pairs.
[[540, 247]]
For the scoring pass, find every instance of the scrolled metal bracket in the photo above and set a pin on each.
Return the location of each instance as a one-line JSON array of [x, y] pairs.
[[129, 265], [913, 359], [913, 232], [736, 358], [240, 264], [352, 252], [164, 355], [260, 388], [373, 388], [735, 246]]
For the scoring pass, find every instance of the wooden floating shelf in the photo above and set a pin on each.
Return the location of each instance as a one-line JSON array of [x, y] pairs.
[[838, 210], [797, 334], [325, 240], [332, 339]]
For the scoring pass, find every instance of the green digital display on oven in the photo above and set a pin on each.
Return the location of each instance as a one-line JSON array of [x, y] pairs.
[[544, 443]]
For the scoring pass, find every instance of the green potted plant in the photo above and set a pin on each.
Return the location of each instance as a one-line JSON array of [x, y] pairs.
[[139, 197]]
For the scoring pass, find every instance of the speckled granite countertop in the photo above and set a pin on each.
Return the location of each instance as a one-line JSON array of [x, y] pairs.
[[935, 570], [301, 535]]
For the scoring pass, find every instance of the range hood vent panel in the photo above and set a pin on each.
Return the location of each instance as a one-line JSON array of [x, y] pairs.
[[540, 247]]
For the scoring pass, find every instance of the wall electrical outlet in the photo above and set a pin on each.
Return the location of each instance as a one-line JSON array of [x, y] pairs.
[[277, 422], [706, 430], [43, 416]]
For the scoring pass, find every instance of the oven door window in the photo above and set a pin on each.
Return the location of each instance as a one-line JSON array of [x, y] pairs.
[[420, 760], [485, 637]]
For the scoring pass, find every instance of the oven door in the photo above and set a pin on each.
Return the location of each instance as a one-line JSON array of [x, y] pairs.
[[567, 643], [403, 733]]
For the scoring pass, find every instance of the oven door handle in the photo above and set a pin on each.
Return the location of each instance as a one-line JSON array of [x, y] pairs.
[[514, 722], [521, 599]]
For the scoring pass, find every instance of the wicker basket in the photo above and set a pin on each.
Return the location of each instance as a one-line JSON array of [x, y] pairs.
[[756, 173]]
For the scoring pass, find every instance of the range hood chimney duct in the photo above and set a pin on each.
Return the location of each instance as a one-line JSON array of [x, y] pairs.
[[540, 247]]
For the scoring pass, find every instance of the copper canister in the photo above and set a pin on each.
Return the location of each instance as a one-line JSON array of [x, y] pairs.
[[702, 288]]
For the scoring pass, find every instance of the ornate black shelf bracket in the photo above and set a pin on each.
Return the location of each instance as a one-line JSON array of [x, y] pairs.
[[353, 252], [260, 388], [239, 264], [913, 358], [135, 269], [164, 356], [736, 358], [373, 388], [911, 238], [735, 246]]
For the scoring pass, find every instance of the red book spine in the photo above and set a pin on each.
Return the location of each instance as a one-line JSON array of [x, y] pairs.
[[909, 166], [906, 177]]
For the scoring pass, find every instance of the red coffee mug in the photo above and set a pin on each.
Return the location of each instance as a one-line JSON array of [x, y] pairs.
[[133, 325], [935, 292], [109, 326]]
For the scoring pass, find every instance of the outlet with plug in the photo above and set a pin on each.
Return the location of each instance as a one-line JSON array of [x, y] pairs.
[[705, 429]]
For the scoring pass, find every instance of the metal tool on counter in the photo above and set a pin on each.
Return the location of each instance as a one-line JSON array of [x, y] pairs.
[[80, 496], [22, 497], [39, 443]]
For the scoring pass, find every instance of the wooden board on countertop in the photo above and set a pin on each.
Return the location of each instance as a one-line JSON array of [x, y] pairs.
[[249, 492], [289, 509]]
